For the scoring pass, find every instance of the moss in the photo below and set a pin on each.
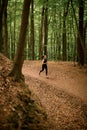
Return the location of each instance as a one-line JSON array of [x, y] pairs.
[[13, 120], [31, 114]]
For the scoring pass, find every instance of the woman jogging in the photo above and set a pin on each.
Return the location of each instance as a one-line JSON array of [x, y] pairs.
[[44, 65]]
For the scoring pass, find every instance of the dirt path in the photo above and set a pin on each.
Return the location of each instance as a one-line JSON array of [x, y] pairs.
[[63, 94]]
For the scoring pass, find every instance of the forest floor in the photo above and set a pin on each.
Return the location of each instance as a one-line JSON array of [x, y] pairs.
[[63, 94], [18, 108], [58, 102]]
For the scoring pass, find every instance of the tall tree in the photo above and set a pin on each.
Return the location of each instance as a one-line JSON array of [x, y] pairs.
[[6, 30], [45, 26], [85, 28], [18, 61], [85, 24], [32, 29], [1, 12], [64, 29], [41, 34], [2, 8], [80, 44]]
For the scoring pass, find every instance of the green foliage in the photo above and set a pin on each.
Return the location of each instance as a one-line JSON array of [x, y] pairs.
[[55, 26]]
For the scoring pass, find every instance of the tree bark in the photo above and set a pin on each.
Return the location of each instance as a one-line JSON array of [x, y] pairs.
[[6, 30], [2, 7], [32, 29], [64, 36], [45, 28], [64, 30], [80, 40], [41, 34], [85, 28], [18, 61]]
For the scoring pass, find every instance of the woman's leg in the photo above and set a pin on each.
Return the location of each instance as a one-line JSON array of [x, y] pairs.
[[42, 69], [46, 70]]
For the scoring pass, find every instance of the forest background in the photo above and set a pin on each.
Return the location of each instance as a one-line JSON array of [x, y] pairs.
[[55, 28]]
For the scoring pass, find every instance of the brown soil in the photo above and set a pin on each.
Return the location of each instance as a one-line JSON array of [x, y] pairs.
[[63, 94]]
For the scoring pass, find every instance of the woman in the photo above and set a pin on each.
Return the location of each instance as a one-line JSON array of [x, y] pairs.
[[44, 65]]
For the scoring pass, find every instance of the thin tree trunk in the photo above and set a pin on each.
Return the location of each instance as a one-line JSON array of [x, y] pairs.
[[32, 29], [41, 34], [6, 30], [85, 28], [57, 45], [45, 28], [14, 27], [2, 6], [64, 36], [10, 41]]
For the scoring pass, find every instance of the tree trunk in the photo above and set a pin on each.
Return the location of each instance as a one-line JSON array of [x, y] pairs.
[[45, 28], [2, 6], [41, 34], [85, 28], [64, 30], [14, 39], [1, 12], [6, 30], [80, 44], [32, 29], [11, 55], [64, 36], [18, 61]]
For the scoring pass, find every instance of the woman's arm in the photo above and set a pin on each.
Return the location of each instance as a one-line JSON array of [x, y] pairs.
[[43, 61]]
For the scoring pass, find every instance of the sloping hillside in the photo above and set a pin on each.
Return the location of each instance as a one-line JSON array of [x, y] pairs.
[[18, 109], [58, 102]]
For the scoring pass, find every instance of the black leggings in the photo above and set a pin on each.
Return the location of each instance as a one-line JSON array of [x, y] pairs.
[[44, 66]]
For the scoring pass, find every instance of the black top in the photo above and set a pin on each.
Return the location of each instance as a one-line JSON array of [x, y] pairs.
[[45, 60]]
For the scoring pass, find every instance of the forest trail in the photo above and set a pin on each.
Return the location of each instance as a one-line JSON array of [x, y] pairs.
[[63, 94]]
